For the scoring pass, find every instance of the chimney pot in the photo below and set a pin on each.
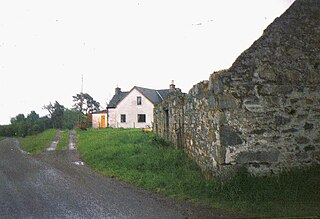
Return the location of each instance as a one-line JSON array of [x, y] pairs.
[[117, 90], [172, 87]]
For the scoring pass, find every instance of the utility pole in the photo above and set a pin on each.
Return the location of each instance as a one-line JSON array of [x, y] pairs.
[[81, 104], [82, 83]]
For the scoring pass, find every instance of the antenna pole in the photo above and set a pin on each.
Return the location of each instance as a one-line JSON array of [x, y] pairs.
[[82, 83]]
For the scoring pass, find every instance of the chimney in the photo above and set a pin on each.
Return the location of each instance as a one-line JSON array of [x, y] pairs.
[[117, 90], [172, 86]]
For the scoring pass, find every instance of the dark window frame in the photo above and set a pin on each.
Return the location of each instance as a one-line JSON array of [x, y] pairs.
[[123, 118], [139, 100], [142, 118]]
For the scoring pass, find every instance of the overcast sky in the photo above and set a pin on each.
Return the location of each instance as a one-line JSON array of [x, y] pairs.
[[46, 46]]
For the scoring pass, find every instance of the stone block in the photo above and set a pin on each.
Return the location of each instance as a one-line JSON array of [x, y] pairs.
[[272, 101], [316, 140], [252, 104], [258, 131], [217, 86], [281, 120], [271, 156], [212, 103], [309, 148], [229, 137], [291, 130], [275, 90], [302, 140], [227, 101], [266, 72], [308, 126], [302, 155], [309, 101]]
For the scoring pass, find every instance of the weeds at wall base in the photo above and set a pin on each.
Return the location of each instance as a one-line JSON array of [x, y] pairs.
[[135, 157]]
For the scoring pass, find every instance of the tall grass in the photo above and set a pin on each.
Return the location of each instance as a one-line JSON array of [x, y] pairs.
[[149, 162], [36, 144]]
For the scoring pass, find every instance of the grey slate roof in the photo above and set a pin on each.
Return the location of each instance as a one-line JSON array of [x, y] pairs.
[[116, 99], [155, 96]]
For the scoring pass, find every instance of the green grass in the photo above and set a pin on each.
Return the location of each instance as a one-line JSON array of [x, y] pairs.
[[64, 141], [151, 163], [1, 138], [36, 144]]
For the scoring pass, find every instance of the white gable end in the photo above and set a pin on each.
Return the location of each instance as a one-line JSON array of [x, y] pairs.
[[134, 111]]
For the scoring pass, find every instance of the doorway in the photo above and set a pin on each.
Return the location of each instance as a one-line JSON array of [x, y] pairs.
[[166, 128], [103, 121]]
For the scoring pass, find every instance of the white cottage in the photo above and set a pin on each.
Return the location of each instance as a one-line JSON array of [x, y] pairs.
[[134, 109]]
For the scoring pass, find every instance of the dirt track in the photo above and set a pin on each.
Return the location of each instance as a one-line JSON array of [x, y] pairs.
[[56, 184]]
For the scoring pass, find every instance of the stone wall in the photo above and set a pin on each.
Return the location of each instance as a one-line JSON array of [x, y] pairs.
[[169, 117], [264, 112]]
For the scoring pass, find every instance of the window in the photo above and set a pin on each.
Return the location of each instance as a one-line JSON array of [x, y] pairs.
[[138, 100], [141, 118], [123, 118]]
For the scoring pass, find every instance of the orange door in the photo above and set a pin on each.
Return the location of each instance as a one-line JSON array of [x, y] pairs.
[[103, 121]]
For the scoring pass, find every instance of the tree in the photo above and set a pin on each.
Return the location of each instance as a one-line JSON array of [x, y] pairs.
[[22, 126], [33, 116], [57, 115], [85, 105], [70, 118], [19, 118], [7, 130], [56, 112], [19, 125], [32, 123]]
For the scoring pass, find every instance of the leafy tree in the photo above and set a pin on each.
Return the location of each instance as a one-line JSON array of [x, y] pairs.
[[44, 123], [7, 130], [85, 105], [56, 112], [19, 125], [19, 118], [57, 115], [70, 118], [50, 108], [33, 116]]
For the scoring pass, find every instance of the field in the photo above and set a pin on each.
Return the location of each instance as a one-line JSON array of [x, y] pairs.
[[150, 162]]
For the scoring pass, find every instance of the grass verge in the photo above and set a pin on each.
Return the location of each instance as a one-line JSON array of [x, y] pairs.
[[151, 163], [36, 144], [64, 141]]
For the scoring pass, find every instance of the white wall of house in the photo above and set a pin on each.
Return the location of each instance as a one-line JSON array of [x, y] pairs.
[[129, 107], [112, 118], [96, 120]]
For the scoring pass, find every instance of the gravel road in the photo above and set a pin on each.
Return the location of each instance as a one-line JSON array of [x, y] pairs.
[[57, 184]]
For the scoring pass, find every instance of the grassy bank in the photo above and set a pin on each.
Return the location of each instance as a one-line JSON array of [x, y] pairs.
[[151, 163], [36, 144], [64, 141]]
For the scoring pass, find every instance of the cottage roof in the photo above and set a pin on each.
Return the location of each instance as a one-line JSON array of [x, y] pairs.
[[117, 99], [155, 96]]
